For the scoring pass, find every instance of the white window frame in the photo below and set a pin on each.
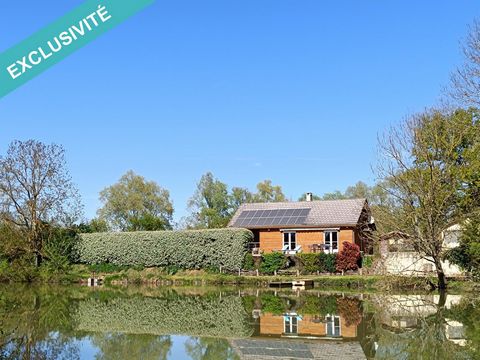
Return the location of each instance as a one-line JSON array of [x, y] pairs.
[[330, 243], [289, 233], [330, 321], [290, 324]]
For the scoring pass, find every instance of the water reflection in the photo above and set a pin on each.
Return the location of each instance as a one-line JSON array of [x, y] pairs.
[[201, 324]]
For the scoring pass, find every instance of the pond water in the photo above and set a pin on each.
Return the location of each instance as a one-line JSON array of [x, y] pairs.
[[222, 323]]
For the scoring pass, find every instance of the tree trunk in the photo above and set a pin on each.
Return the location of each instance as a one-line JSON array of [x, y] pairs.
[[442, 280]]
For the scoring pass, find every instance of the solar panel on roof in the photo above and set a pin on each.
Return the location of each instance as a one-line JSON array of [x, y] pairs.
[[283, 217]]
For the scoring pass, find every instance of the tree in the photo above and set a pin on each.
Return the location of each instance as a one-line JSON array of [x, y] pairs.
[[135, 204], [266, 192], [466, 79], [210, 205], [238, 197], [36, 189], [467, 255], [427, 164]]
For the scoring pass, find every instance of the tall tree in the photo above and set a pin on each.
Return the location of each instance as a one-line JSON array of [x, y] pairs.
[[135, 204], [427, 163], [266, 192], [35, 189], [210, 205], [238, 197], [466, 79]]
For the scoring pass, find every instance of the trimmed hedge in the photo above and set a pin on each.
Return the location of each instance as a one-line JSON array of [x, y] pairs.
[[313, 262], [190, 249]]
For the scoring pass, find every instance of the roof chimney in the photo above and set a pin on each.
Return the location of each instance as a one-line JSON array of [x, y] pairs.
[[309, 197]]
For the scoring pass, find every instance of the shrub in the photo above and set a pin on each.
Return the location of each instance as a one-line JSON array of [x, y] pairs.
[[310, 262], [192, 249], [367, 261], [272, 262], [348, 258], [327, 262], [248, 263]]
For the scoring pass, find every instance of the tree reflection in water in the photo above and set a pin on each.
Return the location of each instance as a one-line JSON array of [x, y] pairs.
[[74, 322]]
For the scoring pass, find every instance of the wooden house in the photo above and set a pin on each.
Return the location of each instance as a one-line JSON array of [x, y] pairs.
[[306, 226]]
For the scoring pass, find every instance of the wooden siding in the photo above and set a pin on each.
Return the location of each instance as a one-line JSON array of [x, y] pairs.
[[272, 240], [309, 326]]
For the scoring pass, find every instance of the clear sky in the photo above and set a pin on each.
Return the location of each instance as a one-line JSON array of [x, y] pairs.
[[294, 91]]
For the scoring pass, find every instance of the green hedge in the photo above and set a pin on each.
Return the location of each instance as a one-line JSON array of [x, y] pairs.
[[211, 316], [313, 262], [190, 249], [272, 262]]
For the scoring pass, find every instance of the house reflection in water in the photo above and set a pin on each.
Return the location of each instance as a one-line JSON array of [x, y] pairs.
[[293, 335], [295, 325]]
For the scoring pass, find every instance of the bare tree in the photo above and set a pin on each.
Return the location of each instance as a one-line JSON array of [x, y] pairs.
[[424, 163], [465, 80], [36, 188]]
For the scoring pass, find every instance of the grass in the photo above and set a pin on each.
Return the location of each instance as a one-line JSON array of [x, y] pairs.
[[144, 276]]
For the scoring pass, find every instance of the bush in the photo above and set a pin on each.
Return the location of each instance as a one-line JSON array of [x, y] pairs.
[[192, 249], [272, 262], [328, 262], [348, 258], [367, 261], [310, 262], [248, 263]]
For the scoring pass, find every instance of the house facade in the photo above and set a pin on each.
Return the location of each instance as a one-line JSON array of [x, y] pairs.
[[306, 226], [399, 257]]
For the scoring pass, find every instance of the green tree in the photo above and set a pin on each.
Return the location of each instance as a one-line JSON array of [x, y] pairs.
[[427, 163], [238, 197], [135, 204], [210, 205], [266, 192], [36, 189]]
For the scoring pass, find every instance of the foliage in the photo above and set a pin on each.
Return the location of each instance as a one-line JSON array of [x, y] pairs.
[[35, 188], [431, 165], [272, 262], [273, 304], [135, 204], [318, 305], [347, 259], [328, 262], [310, 262], [367, 261], [467, 254], [93, 226], [190, 249], [266, 192], [350, 310], [210, 205], [249, 262], [193, 315]]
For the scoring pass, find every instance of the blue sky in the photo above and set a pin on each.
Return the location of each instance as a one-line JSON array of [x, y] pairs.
[[288, 90]]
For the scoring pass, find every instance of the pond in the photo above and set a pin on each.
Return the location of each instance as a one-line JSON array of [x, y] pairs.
[[220, 323]]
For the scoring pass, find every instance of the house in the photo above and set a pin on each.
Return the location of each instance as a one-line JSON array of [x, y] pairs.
[[399, 257], [306, 226]]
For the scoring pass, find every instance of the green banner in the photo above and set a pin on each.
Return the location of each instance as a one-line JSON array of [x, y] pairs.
[[36, 54]]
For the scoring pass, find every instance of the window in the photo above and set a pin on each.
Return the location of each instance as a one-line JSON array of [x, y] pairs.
[[291, 324], [331, 241], [332, 324], [289, 241]]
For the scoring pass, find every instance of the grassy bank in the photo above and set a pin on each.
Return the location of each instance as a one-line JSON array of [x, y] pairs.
[[160, 277]]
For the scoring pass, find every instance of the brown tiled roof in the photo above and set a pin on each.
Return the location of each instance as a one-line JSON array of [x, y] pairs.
[[323, 213]]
